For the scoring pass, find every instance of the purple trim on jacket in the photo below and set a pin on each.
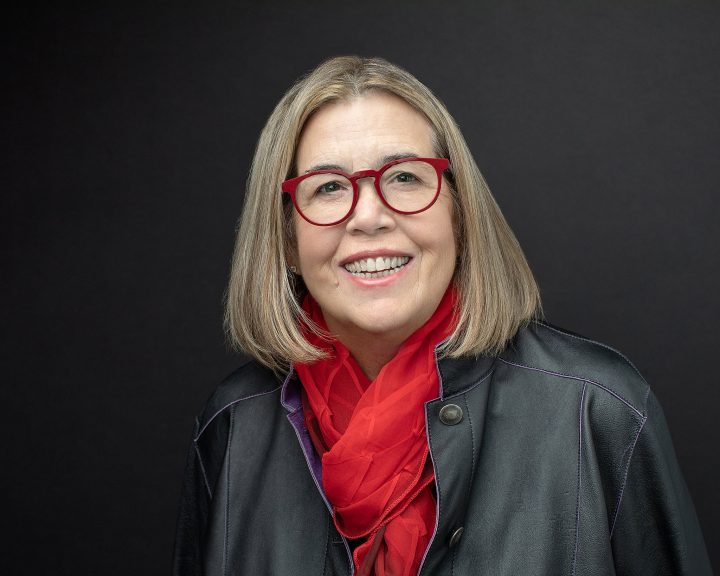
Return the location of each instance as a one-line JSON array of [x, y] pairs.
[[292, 402]]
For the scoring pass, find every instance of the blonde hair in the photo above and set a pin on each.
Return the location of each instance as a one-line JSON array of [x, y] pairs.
[[498, 293]]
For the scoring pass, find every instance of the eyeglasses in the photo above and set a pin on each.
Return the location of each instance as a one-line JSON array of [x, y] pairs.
[[328, 197]]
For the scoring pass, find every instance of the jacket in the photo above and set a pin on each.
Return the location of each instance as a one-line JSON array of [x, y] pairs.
[[552, 458]]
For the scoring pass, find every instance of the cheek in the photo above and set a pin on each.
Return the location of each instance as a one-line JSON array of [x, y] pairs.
[[315, 247], [446, 230], [448, 252]]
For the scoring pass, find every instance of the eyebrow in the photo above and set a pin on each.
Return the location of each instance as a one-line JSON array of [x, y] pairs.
[[384, 160]]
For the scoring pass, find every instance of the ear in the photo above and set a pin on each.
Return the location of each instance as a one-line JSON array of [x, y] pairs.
[[291, 261]]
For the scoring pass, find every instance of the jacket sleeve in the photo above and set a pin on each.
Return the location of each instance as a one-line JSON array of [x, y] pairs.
[[656, 531], [192, 516]]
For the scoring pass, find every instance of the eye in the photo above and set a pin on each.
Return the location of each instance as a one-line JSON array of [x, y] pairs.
[[405, 177], [329, 188]]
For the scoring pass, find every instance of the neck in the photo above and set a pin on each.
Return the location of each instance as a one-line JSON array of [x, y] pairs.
[[371, 351], [372, 358]]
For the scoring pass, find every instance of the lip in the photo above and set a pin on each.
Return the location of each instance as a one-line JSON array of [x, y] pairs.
[[375, 282], [372, 254]]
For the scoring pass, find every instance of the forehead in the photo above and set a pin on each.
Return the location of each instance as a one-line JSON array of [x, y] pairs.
[[356, 133]]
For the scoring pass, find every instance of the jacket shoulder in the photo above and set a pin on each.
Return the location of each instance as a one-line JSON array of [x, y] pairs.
[[548, 348], [249, 381]]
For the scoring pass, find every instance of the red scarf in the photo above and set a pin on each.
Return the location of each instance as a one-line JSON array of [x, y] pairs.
[[371, 438]]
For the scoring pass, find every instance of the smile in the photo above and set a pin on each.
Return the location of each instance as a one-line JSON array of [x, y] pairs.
[[376, 267]]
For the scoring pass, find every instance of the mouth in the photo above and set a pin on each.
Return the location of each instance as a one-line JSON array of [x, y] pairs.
[[376, 267]]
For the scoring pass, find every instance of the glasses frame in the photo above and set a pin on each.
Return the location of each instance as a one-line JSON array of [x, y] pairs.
[[290, 186]]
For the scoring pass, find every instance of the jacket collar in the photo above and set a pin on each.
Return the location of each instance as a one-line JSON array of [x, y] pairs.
[[459, 374], [290, 393], [455, 374]]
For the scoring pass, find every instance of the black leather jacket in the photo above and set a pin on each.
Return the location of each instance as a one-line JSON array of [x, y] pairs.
[[557, 462]]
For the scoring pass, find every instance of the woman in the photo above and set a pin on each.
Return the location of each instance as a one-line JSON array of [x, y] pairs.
[[406, 411]]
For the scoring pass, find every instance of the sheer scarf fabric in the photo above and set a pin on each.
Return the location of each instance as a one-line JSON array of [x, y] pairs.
[[371, 438]]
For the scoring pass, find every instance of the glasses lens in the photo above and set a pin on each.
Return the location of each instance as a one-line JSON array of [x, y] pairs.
[[410, 186], [324, 198]]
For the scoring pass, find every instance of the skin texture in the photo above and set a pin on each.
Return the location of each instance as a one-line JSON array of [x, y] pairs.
[[373, 318]]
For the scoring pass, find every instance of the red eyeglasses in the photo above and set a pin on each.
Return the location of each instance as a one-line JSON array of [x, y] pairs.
[[406, 186]]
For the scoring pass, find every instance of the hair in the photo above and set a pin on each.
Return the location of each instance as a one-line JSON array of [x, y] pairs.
[[263, 315]]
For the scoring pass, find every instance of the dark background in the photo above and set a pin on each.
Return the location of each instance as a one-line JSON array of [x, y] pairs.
[[127, 137]]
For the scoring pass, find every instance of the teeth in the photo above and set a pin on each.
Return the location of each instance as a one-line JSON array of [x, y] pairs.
[[376, 267]]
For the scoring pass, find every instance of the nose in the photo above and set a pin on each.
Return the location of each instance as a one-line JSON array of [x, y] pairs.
[[370, 214]]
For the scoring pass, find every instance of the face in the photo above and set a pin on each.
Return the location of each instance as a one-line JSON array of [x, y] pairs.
[[354, 135]]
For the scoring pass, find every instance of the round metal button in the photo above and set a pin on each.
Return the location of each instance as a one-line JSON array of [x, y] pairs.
[[455, 538], [451, 414]]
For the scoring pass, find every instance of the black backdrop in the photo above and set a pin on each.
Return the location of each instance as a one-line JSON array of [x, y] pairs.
[[128, 133]]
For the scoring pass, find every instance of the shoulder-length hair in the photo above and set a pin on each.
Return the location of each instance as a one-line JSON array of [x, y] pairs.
[[263, 314]]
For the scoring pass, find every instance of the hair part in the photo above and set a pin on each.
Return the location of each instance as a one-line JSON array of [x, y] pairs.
[[263, 315]]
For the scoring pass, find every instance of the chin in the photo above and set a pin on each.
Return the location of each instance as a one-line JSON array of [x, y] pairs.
[[379, 323]]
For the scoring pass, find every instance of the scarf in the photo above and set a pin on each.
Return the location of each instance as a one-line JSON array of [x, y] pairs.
[[371, 438]]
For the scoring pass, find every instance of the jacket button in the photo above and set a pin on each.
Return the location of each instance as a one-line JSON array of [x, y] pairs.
[[451, 414], [455, 538]]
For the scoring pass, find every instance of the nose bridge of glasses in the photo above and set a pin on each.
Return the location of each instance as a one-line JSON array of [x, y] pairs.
[[371, 184], [371, 176]]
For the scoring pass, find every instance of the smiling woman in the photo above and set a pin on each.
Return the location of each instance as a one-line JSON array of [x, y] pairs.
[[406, 409], [371, 313]]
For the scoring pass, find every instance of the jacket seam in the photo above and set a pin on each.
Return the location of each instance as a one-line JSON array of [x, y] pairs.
[[472, 444], [327, 544], [579, 477], [202, 469], [452, 561], [198, 454], [625, 475], [436, 528], [437, 475], [227, 492], [226, 406], [578, 378], [590, 341]]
